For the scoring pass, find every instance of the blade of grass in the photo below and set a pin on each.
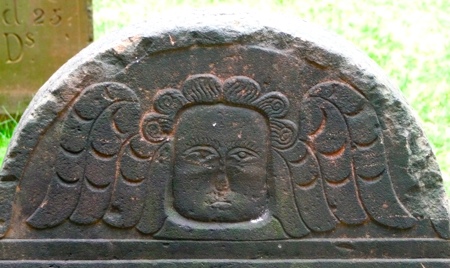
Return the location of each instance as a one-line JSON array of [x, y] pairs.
[[7, 127]]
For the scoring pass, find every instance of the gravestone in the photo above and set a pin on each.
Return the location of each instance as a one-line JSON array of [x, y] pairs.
[[36, 38], [221, 140]]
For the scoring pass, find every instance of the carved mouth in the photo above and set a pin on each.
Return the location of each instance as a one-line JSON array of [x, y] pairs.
[[221, 204]]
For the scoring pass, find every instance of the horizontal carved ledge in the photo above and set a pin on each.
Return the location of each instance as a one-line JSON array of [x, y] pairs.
[[331, 263], [283, 251]]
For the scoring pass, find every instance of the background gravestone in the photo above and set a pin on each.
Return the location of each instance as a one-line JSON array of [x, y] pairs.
[[36, 38], [225, 138]]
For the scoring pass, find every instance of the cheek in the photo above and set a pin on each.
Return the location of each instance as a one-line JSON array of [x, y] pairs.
[[249, 179], [190, 178]]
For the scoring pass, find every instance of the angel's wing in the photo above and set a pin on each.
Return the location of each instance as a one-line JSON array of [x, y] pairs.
[[103, 162], [338, 164]]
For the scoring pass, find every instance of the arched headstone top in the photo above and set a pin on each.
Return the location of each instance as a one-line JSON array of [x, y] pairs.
[[221, 127]]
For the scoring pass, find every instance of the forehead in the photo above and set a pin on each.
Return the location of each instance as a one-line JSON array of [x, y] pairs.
[[221, 122]]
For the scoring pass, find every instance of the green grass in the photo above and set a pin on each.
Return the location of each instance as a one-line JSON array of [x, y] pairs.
[[409, 39], [7, 126]]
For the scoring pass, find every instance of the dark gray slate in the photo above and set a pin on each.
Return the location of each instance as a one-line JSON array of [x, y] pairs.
[[221, 140]]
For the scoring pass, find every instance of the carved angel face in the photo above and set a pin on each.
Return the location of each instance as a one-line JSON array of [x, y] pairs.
[[221, 155]]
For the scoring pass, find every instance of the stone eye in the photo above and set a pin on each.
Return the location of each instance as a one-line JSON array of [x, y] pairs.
[[200, 154], [242, 154]]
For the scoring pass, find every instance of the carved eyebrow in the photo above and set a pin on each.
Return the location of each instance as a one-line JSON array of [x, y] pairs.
[[202, 141], [244, 143]]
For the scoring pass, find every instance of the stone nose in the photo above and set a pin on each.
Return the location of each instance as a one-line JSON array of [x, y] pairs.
[[221, 182]]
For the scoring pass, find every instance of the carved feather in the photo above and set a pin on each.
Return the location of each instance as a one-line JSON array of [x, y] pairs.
[[284, 203], [129, 191], [103, 117], [308, 188], [331, 144], [342, 133], [153, 214]]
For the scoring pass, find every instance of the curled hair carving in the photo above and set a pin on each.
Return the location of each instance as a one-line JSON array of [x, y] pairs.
[[208, 89]]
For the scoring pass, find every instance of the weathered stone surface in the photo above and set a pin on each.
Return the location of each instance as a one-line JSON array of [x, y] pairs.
[[36, 38], [222, 137]]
